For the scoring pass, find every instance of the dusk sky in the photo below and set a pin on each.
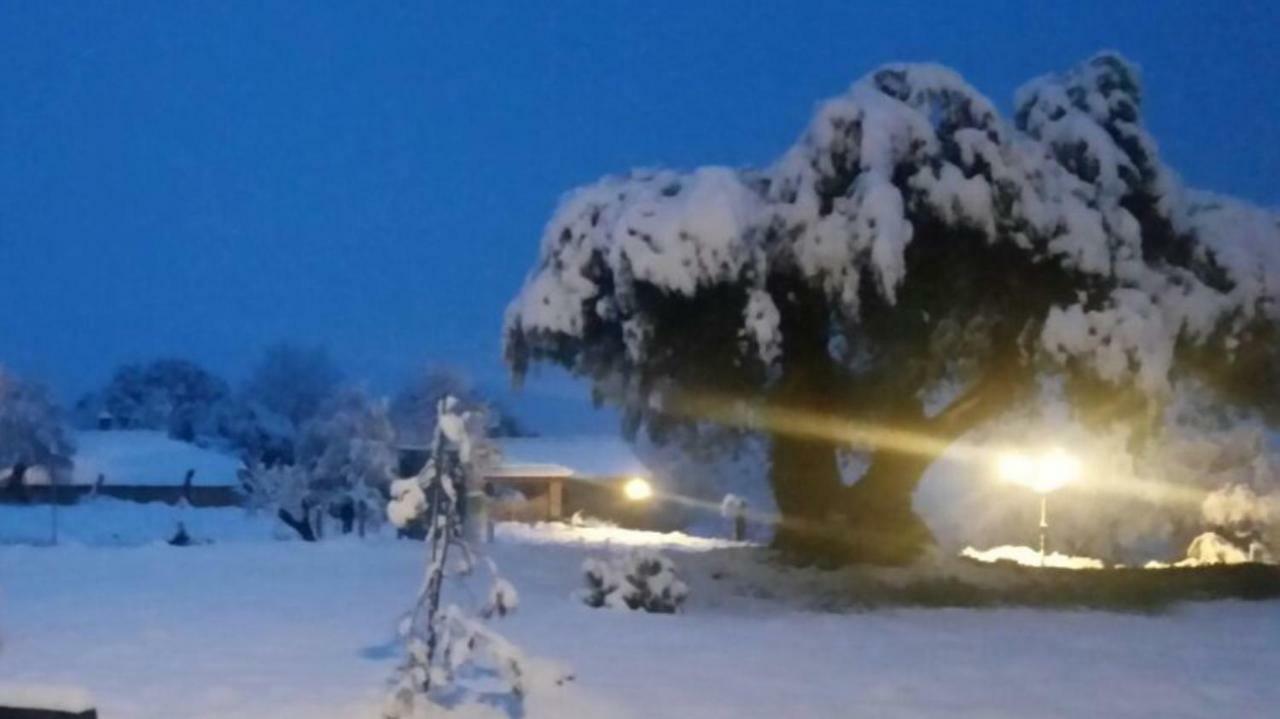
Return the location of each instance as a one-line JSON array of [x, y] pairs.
[[204, 179]]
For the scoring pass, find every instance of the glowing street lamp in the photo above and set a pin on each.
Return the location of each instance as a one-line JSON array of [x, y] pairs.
[[637, 489], [1041, 474]]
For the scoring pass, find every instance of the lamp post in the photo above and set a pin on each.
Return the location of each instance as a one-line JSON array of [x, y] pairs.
[[1042, 474]]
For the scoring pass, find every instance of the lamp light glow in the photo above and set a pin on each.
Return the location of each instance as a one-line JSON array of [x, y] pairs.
[[1055, 470], [637, 489], [1042, 474]]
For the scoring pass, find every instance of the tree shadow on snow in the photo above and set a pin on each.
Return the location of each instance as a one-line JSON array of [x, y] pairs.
[[500, 698], [385, 651]]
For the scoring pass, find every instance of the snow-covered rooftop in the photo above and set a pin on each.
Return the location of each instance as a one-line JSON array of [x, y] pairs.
[[584, 457], [147, 457]]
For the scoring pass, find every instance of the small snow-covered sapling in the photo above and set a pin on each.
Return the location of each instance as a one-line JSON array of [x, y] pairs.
[[442, 639]]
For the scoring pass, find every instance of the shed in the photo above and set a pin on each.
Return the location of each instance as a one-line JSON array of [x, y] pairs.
[[550, 478], [558, 476]]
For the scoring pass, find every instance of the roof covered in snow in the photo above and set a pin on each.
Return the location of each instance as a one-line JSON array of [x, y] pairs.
[[148, 457], [584, 457]]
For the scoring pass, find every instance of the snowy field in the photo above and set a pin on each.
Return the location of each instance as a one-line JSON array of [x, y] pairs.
[[257, 628]]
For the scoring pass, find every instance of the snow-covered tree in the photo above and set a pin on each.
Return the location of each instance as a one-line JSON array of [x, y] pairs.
[[32, 428], [259, 435], [442, 639], [343, 464], [413, 409], [905, 272], [287, 388], [348, 455], [292, 382], [174, 395]]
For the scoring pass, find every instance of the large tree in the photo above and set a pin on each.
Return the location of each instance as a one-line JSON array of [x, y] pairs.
[[906, 271]]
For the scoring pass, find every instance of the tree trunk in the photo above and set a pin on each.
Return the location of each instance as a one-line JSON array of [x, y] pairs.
[[301, 526], [882, 526], [872, 521], [805, 480], [803, 471]]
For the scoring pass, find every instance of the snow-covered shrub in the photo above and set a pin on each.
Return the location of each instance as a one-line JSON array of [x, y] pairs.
[[642, 579], [1241, 524], [1213, 548], [32, 430]]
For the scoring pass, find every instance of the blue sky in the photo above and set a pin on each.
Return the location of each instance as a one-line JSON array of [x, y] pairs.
[[202, 179]]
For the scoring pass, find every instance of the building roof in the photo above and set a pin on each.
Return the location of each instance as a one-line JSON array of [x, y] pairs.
[[148, 458], [582, 457]]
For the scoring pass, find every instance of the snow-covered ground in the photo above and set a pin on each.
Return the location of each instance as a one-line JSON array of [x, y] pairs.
[[107, 521], [255, 629]]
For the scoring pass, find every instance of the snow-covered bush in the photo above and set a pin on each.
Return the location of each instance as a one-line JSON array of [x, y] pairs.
[[1213, 548], [642, 579], [441, 640], [32, 430]]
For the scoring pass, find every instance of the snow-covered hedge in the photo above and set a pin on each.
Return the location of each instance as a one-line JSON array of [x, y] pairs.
[[642, 579]]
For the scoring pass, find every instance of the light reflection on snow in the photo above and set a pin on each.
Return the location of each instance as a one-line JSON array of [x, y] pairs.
[[1029, 557], [561, 533]]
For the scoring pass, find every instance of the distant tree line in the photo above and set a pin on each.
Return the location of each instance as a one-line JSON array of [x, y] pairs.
[[311, 441]]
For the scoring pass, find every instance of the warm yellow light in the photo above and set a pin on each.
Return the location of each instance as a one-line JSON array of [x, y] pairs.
[[1017, 468], [1054, 470], [1043, 474], [637, 489]]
